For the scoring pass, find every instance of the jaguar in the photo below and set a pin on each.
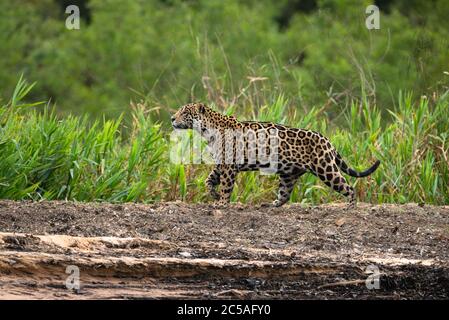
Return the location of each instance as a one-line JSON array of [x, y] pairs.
[[296, 152]]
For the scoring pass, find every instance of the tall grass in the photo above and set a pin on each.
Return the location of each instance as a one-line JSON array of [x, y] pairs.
[[43, 156]]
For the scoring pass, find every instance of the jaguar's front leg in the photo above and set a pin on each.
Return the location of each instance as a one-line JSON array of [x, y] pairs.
[[212, 182], [286, 185], [227, 179]]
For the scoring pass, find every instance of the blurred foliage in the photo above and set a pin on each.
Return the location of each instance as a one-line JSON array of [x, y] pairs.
[[169, 52]]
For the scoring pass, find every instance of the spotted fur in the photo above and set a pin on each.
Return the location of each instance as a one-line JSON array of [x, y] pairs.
[[299, 151]]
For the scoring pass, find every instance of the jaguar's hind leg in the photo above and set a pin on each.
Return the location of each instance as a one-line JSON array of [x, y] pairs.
[[337, 182]]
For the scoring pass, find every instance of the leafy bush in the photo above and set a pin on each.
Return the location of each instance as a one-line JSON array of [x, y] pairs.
[[170, 52]]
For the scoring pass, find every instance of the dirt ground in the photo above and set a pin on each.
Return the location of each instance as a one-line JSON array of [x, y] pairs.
[[177, 250]]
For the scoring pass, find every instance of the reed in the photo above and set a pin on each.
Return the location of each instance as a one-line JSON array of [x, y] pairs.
[[43, 156]]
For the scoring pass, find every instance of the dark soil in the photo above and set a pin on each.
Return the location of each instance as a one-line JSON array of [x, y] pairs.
[[179, 250]]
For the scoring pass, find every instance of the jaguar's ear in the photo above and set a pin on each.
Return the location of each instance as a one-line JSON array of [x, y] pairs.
[[201, 108]]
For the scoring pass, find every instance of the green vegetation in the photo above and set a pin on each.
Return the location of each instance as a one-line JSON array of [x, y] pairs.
[[43, 156], [170, 52], [308, 63]]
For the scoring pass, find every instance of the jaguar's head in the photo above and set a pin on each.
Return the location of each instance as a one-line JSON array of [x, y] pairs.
[[189, 116]]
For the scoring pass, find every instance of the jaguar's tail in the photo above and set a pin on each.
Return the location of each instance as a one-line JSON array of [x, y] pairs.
[[344, 167]]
